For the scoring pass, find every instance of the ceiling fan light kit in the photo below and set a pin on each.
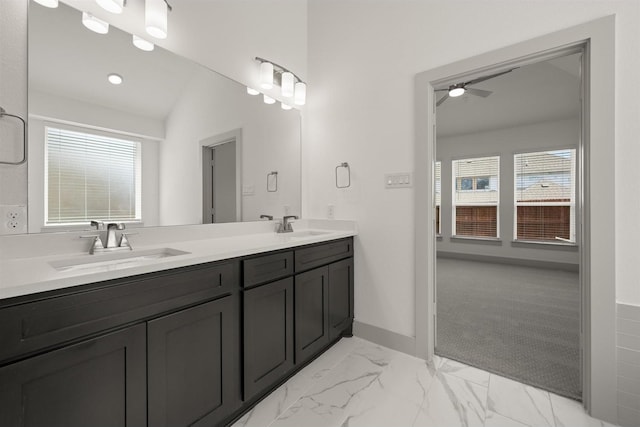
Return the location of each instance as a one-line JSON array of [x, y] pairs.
[[459, 89]]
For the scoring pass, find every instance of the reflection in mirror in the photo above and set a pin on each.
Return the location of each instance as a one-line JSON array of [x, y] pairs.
[[174, 143]]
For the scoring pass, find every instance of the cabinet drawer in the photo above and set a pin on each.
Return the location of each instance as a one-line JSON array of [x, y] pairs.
[[314, 256], [32, 326], [267, 268]]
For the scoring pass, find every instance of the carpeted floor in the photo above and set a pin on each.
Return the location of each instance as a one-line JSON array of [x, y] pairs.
[[520, 322]]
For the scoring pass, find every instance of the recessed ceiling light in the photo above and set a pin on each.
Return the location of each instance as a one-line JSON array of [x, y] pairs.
[[94, 24], [114, 79], [142, 44]]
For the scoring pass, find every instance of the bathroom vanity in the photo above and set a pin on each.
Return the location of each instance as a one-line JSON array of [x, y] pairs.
[[194, 345]]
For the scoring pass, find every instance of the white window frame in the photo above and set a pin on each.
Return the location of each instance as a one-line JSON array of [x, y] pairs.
[[455, 203], [138, 220], [572, 203]]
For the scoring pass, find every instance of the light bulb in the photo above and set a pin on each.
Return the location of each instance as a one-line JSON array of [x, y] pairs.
[[287, 84], [155, 18], [269, 100], [142, 44], [48, 3], [94, 24], [114, 79], [266, 75], [113, 6], [252, 91], [300, 96], [456, 91], [285, 106]]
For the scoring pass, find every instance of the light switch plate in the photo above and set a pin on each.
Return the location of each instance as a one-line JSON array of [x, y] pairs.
[[398, 180]]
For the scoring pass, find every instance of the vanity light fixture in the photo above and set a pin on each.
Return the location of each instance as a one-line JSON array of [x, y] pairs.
[[285, 106], [155, 17], [48, 3], [113, 6], [268, 100], [252, 91], [114, 79], [142, 44], [94, 24], [291, 85]]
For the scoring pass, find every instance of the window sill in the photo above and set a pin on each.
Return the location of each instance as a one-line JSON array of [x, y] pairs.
[[480, 240], [544, 245], [84, 226]]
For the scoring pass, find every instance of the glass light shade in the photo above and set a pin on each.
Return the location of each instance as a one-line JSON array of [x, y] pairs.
[[285, 106], [300, 96], [155, 18], [48, 3], [114, 79], [142, 44], [269, 100], [252, 91], [113, 6], [456, 91], [287, 84], [266, 75], [94, 24]]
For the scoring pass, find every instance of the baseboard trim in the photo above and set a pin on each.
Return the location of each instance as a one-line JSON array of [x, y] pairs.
[[565, 266], [384, 337]]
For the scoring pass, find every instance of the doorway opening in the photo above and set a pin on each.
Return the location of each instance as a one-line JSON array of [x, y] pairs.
[[507, 203]]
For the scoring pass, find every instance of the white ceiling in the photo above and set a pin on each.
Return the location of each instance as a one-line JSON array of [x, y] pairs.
[[535, 93], [75, 63]]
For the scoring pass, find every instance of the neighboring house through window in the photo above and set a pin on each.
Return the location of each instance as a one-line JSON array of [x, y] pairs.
[[91, 176], [476, 195], [438, 197], [545, 190]]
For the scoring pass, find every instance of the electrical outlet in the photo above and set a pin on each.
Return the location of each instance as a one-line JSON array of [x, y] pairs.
[[13, 219], [331, 211]]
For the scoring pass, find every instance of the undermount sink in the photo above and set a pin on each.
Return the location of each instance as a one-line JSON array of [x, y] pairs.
[[305, 233], [113, 261]]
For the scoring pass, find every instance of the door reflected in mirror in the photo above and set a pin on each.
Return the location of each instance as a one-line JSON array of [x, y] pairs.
[[174, 112]]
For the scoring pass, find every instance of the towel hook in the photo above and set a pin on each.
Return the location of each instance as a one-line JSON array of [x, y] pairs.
[[24, 138], [272, 189], [346, 166]]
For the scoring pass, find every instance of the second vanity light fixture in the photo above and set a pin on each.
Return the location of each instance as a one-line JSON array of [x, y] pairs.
[[291, 86]]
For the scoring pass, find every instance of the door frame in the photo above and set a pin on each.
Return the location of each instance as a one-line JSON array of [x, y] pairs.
[[597, 277], [234, 135]]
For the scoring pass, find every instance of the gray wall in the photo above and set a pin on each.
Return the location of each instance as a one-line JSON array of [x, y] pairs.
[[506, 143], [628, 347]]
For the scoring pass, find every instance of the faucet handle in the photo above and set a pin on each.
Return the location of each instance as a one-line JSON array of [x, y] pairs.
[[268, 217], [120, 226], [99, 225], [97, 243]]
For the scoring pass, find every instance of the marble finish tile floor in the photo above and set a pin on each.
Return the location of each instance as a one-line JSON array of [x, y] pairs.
[[357, 383]]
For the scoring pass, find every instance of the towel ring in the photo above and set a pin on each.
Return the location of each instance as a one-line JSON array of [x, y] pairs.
[[24, 138], [272, 189], [346, 166]]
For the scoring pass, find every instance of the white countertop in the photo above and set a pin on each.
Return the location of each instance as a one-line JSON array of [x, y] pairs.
[[29, 275]]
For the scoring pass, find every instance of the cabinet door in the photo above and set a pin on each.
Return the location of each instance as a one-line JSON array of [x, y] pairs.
[[268, 335], [311, 312], [98, 382], [193, 369], [340, 297]]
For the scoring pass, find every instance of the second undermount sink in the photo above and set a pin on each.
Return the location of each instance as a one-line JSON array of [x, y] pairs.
[[113, 261], [305, 233]]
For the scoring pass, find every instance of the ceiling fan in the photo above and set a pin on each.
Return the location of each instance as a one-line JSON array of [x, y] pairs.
[[459, 89]]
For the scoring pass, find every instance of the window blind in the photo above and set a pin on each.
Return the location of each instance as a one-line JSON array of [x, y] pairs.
[[91, 176], [476, 195], [545, 195]]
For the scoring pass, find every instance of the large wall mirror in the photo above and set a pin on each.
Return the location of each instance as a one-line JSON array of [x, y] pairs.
[[174, 143]]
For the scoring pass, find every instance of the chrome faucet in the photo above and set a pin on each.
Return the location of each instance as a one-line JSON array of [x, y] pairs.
[[267, 217], [111, 242], [285, 225]]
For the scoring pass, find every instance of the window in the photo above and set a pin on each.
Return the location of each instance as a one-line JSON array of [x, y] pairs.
[[476, 196], [438, 196], [545, 195], [90, 176]]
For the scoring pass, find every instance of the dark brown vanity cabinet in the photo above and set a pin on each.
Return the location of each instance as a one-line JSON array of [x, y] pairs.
[[311, 312], [340, 298], [98, 382]]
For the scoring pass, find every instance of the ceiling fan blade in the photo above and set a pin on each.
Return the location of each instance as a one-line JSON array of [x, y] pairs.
[[482, 79], [444, 98], [442, 90], [478, 92]]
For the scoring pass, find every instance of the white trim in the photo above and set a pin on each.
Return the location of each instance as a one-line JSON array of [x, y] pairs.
[[598, 260]]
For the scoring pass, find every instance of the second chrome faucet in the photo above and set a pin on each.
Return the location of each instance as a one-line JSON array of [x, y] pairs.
[[111, 241]]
